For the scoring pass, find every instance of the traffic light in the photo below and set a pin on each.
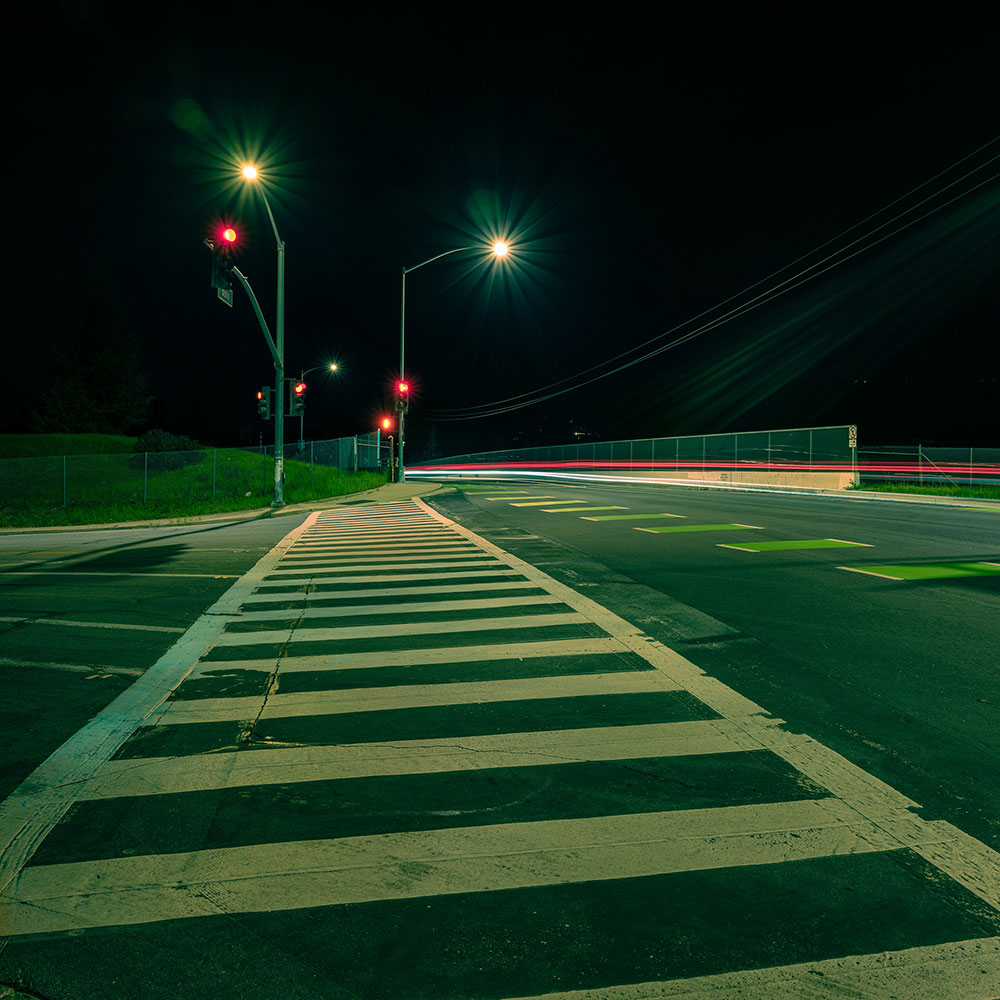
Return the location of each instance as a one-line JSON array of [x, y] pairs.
[[402, 394], [222, 261], [264, 402], [387, 423], [222, 269], [297, 399]]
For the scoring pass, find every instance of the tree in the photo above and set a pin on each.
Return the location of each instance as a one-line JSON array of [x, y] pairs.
[[96, 381]]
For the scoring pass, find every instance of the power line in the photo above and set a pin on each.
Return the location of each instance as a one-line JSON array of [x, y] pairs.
[[499, 406]]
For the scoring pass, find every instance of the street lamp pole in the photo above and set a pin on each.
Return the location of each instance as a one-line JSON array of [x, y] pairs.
[[250, 174], [498, 249], [331, 367]]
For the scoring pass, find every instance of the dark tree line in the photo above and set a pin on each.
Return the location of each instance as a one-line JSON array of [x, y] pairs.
[[95, 382]]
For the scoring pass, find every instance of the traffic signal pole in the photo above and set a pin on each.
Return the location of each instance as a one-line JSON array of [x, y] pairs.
[[279, 376], [400, 468], [278, 353]]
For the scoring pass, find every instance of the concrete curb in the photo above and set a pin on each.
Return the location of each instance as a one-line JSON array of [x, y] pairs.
[[389, 493]]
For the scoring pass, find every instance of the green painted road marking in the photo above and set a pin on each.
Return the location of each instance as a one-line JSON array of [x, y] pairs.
[[574, 510], [541, 503], [810, 543], [626, 517], [701, 527], [934, 571], [989, 510], [517, 496]]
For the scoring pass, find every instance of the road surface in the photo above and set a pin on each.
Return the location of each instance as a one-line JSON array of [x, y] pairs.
[[395, 759]]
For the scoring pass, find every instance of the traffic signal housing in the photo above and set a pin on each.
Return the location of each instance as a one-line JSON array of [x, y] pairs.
[[297, 399], [222, 269], [222, 261], [264, 402], [402, 394]]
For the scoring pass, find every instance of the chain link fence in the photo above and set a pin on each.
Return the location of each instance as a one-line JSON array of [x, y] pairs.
[[205, 474], [926, 466], [819, 456]]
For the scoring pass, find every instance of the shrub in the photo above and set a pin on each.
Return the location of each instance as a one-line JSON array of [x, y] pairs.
[[173, 451]]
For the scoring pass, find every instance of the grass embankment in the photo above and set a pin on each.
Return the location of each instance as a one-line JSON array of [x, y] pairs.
[[94, 488], [936, 489]]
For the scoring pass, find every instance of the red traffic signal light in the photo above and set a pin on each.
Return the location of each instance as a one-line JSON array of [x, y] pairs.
[[229, 234], [386, 423], [297, 400], [264, 402], [402, 387]]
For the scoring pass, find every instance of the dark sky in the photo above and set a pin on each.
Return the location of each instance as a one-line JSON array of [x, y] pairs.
[[645, 171]]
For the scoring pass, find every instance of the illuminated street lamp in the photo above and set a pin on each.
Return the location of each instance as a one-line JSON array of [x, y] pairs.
[[250, 174], [331, 366], [499, 249]]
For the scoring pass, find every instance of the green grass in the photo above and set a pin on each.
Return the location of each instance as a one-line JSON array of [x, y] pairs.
[[103, 489], [935, 489]]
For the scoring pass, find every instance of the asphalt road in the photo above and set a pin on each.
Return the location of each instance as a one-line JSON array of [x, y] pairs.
[[902, 677], [487, 747], [83, 613]]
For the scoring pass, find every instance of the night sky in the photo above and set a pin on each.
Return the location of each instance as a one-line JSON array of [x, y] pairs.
[[643, 171]]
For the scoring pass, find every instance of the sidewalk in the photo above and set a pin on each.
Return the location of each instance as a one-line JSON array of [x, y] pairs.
[[388, 493]]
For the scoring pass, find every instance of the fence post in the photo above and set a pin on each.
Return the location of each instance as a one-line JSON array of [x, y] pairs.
[[214, 452], [970, 466], [145, 473], [920, 462], [311, 455], [64, 480]]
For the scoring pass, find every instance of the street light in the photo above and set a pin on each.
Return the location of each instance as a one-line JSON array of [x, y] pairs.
[[250, 174], [332, 366], [498, 249]]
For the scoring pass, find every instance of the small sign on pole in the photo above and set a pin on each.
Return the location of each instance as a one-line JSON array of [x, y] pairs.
[[226, 294], [852, 437]]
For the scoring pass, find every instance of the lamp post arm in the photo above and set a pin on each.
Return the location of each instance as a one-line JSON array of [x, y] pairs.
[[256, 308], [270, 215], [406, 270]]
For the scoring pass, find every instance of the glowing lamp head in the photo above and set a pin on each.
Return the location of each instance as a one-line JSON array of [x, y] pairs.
[[249, 173], [500, 249], [333, 366], [386, 423]]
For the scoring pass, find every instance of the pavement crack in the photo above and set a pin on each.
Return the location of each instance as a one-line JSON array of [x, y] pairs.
[[248, 735]]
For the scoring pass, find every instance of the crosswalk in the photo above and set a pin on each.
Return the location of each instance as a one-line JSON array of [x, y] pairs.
[[441, 773]]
